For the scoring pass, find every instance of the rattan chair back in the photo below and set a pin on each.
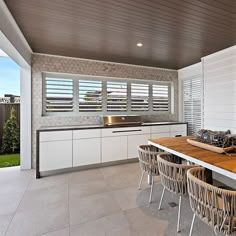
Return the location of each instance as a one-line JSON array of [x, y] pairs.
[[215, 206], [173, 175], [148, 159]]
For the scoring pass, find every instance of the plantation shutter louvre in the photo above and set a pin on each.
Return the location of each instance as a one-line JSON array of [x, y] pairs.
[[117, 96], [90, 96], [192, 104], [160, 98], [58, 95], [139, 97]]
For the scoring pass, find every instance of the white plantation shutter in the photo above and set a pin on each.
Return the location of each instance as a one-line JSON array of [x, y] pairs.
[[116, 96], [86, 95], [192, 104], [139, 97], [58, 95], [160, 98], [90, 96]]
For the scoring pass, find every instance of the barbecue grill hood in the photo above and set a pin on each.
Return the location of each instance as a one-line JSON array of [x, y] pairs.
[[121, 120]]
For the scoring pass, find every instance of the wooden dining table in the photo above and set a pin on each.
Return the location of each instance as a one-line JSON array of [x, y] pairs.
[[224, 164]]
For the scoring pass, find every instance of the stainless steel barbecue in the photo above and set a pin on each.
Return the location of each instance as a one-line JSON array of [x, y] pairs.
[[121, 120]]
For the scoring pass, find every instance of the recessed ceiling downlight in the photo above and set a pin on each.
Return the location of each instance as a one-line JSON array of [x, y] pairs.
[[139, 44]]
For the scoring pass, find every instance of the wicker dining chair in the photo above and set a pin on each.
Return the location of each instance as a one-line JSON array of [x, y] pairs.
[[214, 206], [173, 176], [148, 164]]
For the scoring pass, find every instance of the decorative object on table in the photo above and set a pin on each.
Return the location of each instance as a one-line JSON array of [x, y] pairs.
[[213, 205], [173, 178], [216, 141], [148, 164]]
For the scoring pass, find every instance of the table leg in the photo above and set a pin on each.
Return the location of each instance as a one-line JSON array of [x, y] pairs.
[[149, 179], [208, 174]]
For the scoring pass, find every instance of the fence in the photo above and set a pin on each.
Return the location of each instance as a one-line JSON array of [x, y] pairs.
[[5, 109]]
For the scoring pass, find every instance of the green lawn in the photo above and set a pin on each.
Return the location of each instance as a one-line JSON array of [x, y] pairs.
[[7, 160]]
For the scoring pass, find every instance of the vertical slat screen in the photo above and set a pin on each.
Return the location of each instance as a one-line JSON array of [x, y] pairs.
[[160, 98], [58, 95], [139, 97], [90, 96], [192, 104], [116, 96]]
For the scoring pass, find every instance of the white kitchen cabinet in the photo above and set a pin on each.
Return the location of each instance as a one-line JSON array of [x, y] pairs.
[[55, 155], [114, 148], [134, 141], [178, 130], [160, 129], [55, 136], [86, 151], [160, 135], [86, 133], [125, 131]]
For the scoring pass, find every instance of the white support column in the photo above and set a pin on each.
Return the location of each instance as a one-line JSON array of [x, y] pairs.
[[25, 117]]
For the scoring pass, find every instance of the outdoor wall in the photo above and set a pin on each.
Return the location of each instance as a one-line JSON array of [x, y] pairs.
[[47, 63]]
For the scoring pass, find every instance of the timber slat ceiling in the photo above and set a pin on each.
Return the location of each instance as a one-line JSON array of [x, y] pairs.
[[174, 33]]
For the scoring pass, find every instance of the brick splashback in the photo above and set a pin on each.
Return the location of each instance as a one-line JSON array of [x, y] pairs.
[[47, 63]]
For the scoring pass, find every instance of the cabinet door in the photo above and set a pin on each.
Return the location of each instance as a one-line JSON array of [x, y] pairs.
[[86, 151], [160, 135], [178, 130], [55, 155], [134, 141], [114, 148]]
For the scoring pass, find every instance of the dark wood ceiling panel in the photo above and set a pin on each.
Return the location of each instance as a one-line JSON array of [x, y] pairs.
[[174, 33]]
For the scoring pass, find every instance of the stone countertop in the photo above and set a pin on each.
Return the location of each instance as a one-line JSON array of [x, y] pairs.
[[81, 127]]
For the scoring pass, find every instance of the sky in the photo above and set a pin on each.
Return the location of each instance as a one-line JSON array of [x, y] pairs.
[[9, 77]]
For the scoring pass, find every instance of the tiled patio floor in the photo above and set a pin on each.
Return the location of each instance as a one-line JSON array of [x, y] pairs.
[[97, 202]]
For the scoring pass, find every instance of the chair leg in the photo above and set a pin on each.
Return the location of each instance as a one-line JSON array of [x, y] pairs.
[[162, 195], [179, 213], [150, 197], [141, 180], [191, 229]]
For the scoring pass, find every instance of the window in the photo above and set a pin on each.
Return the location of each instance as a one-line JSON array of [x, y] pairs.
[[96, 95], [116, 96], [90, 96], [139, 97], [58, 95], [192, 104], [160, 97]]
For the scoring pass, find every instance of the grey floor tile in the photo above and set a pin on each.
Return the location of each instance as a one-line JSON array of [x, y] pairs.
[[85, 176], [48, 181], [122, 176], [42, 197], [115, 224], [92, 207], [88, 188], [9, 202], [38, 221], [4, 223], [60, 232], [131, 197]]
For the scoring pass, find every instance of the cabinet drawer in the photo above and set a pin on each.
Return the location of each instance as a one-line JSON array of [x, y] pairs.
[[160, 129], [89, 133], [109, 132], [55, 136], [176, 128]]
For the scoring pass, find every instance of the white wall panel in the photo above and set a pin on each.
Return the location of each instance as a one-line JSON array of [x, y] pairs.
[[219, 71]]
